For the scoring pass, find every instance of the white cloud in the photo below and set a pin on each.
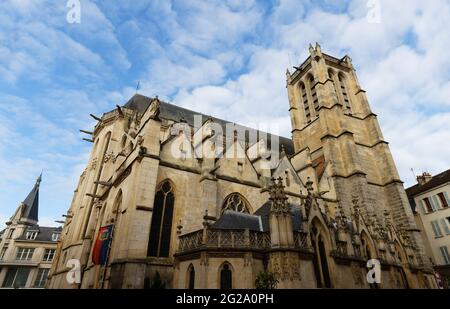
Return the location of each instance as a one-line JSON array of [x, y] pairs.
[[224, 58], [400, 62]]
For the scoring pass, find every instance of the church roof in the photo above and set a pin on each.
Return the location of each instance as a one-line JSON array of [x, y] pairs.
[[234, 220], [259, 221], [172, 112], [31, 203], [264, 212]]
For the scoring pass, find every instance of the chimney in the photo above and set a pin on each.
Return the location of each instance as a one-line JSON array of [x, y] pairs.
[[424, 178]]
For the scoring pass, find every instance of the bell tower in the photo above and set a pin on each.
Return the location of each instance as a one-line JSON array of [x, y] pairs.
[[333, 124]]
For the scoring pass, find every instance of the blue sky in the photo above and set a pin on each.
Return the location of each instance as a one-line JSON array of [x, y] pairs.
[[225, 58]]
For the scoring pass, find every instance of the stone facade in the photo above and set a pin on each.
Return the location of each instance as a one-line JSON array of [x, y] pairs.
[[430, 202], [185, 199], [27, 249]]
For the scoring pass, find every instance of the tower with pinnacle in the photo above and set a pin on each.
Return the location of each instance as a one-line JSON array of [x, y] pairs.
[[334, 126]]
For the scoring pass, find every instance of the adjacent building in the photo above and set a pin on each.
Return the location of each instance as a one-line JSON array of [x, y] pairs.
[[211, 204], [27, 249], [430, 202]]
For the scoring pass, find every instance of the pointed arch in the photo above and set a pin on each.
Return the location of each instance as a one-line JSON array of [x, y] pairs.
[[313, 91], [117, 206], [190, 277], [321, 243], [332, 75], [402, 258], [226, 276], [236, 202], [162, 217], [305, 101], [116, 219], [368, 251], [344, 90], [367, 246]]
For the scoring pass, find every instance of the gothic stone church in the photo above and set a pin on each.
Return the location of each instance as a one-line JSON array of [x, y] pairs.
[[332, 201]]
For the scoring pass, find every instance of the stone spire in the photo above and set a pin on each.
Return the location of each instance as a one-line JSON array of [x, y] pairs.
[[280, 218]]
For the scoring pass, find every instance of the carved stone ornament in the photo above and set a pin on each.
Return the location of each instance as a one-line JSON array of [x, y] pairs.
[[275, 266], [83, 175], [94, 164], [357, 275], [108, 156], [278, 197]]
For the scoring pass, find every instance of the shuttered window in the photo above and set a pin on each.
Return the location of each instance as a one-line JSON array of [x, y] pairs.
[[435, 203], [436, 228], [445, 254], [445, 226], [427, 205], [444, 199]]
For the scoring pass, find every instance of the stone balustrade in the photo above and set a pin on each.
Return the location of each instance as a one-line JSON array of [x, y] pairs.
[[237, 239]]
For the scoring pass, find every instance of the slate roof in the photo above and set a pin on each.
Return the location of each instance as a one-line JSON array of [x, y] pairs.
[[233, 220], [259, 221], [172, 112], [31, 203], [44, 233], [264, 212], [435, 181]]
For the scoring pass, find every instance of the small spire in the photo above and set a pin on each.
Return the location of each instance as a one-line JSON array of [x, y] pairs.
[[39, 179], [278, 196], [31, 204], [318, 48], [283, 152]]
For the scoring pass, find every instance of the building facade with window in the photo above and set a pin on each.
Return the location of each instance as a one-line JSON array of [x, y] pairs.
[[27, 249], [199, 202], [430, 202]]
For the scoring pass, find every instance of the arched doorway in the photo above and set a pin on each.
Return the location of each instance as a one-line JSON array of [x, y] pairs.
[[226, 277]]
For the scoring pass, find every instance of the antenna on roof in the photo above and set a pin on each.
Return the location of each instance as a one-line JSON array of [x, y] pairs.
[[414, 174], [137, 86]]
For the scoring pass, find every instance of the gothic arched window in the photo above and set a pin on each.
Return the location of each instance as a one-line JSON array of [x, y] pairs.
[[315, 99], [161, 227], [304, 96], [320, 260], [191, 276], [226, 277], [236, 202], [344, 92], [333, 79]]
